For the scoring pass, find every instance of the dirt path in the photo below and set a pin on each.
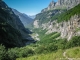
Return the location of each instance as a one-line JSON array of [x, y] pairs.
[[64, 54]]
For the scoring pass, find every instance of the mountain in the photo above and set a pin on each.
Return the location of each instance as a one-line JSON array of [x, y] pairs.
[[56, 30], [62, 4], [26, 20], [32, 16], [64, 21], [12, 31]]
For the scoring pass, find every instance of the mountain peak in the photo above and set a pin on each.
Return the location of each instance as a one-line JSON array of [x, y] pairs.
[[51, 5], [61, 4], [52, 2]]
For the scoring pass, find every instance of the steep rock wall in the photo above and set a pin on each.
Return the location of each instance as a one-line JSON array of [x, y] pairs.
[[67, 29]]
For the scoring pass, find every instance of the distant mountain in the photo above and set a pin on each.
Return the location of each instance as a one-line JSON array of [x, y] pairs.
[[26, 20], [32, 16]]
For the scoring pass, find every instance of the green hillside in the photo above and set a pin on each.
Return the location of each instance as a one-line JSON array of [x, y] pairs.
[[9, 35], [73, 53], [47, 16], [67, 15]]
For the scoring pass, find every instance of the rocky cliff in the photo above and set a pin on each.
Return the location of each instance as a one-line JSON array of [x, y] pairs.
[[67, 29], [62, 4], [65, 22], [12, 31]]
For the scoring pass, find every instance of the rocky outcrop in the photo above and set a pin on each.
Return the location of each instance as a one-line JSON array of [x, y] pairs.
[[44, 18], [62, 4], [51, 5], [36, 24], [36, 36], [67, 29], [68, 2]]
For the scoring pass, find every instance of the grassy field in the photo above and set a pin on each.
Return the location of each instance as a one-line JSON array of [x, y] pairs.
[[50, 56], [73, 53]]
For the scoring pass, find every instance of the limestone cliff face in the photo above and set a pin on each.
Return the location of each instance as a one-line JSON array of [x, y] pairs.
[[45, 17], [67, 29], [61, 4], [70, 18], [51, 5], [68, 2], [36, 24]]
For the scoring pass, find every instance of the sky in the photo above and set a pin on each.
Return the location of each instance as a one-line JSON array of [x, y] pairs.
[[29, 7]]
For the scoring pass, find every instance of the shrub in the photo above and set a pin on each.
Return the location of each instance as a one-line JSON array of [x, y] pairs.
[[12, 53], [62, 43], [74, 42], [2, 52], [24, 52], [51, 47], [41, 49]]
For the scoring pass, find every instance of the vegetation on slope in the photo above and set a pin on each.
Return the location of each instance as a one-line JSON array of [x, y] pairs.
[[46, 39], [49, 56], [12, 31], [9, 36], [72, 53], [67, 15], [47, 16], [46, 48], [40, 32], [13, 53]]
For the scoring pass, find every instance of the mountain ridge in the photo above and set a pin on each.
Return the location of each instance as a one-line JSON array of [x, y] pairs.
[[60, 20], [26, 20], [61, 4], [12, 31]]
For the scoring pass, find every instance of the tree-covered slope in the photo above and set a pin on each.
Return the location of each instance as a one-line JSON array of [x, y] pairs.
[[12, 31], [67, 15]]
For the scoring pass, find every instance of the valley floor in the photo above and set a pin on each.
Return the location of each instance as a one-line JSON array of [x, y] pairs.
[[69, 54]]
